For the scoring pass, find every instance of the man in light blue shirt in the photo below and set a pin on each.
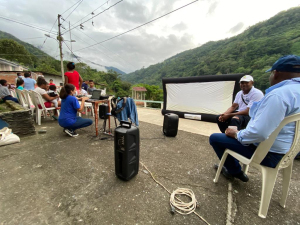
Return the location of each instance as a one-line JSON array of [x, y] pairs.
[[29, 83], [281, 100]]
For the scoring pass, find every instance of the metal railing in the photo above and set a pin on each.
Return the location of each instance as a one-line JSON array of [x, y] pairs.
[[149, 101]]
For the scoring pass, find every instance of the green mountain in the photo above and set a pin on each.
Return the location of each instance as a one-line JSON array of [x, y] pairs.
[[30, 48], [251, 52], [115, 69]]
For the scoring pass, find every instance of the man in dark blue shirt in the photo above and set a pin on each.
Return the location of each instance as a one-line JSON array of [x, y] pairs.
[[85, 85]]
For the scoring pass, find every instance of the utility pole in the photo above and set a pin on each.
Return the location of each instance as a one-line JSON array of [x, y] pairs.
[[70, 36], [60, 39]]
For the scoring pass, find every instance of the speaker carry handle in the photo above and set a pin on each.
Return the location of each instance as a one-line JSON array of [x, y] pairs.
[[126, 123]]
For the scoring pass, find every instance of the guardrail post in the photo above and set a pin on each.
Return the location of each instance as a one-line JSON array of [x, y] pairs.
[[145, 104], [161, 105]]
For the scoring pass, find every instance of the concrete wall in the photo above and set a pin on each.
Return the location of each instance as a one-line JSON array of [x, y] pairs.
[[7, 67], [10, 76], [56, 79]]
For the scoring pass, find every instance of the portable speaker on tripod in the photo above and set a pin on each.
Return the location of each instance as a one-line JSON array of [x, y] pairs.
[[127, 150]]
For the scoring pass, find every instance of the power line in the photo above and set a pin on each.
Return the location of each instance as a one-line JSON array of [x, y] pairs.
[[32, 38], [72, 11], [115, 54], [90, 13], [71, 7], [72, 52], [95, 16], [137, 26], [48, 34], [28, 25]]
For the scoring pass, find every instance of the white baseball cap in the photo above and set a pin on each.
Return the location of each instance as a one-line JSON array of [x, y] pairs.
[[246, 78]]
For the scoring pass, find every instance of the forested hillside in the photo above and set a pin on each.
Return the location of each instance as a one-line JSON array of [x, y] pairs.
[[13, 49], [251, 52]]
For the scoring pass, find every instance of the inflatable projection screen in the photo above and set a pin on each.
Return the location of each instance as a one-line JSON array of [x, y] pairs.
[[201, 98]]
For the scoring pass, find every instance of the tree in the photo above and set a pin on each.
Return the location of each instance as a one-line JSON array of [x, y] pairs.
[[14, 51]]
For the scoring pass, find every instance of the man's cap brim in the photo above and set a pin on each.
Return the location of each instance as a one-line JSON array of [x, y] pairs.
[[269, 70]]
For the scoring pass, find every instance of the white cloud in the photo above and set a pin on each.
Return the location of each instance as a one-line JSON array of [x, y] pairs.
[[200, 22]]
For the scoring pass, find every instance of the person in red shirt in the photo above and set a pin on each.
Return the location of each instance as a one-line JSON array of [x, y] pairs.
[[51, 82], [73, 77]]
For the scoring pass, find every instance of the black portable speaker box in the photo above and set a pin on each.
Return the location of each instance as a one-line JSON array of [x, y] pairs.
[[170, 127], [127, 150], [103, 110]]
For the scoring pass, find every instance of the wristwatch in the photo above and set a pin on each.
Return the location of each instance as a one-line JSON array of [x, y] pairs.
[[235, 135]]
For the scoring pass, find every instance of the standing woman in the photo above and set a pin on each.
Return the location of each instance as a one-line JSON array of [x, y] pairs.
[[68, 118], [73, 77]]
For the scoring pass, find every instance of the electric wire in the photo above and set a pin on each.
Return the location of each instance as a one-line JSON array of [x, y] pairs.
[[48, 33], [95, 16], [138, 26], [90, 13], [72, 52], [28, 25], [114, 60], [32, 38], [72, 11], [71, 7], [115, 54]]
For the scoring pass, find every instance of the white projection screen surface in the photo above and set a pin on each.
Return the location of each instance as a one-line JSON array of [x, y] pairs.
[[200, 97]]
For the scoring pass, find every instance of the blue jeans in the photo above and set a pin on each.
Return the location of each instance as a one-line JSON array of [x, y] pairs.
[[3, 124], [80, 123], [10, 98], [220, 142]]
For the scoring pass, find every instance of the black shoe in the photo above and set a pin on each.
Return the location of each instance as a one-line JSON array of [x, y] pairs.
[[241, 176], [224, 172], [71, 133]]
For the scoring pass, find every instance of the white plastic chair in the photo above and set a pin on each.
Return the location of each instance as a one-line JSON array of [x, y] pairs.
[[86, 106], [29, 101], [38, 100], [21, 98], [13, 93], [269, 174]]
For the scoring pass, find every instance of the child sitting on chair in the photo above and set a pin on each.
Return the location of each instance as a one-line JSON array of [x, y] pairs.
[[52, 93]]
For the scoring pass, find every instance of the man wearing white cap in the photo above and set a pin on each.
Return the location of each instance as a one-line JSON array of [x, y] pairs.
[[281, 100], [238, 114]]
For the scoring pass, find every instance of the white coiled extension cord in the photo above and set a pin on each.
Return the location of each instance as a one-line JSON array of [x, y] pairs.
[[184, 208]]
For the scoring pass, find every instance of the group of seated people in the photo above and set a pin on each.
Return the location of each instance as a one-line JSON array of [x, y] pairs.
[[253, 117]]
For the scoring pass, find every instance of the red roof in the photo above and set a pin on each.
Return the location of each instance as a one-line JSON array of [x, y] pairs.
[[139, 89]]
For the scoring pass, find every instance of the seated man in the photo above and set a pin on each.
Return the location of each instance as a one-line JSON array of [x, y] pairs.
[[281, 100], [91, 88], [4, 92], [238, 113]]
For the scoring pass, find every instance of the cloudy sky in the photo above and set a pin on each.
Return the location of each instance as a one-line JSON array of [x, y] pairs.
[[187, 28]]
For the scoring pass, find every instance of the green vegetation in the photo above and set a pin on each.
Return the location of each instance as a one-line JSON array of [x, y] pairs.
[[252, 52], [18, 51]]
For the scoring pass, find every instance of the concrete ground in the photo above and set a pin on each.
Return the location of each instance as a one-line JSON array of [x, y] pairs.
[[52, 178]]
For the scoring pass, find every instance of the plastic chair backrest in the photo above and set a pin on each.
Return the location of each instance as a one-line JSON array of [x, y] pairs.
[[32, 96], [13, 93], [264, 147], [28, 98], [39, 100], [21, 97]]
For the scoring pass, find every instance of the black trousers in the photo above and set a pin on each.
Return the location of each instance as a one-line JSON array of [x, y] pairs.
[[240, 123]]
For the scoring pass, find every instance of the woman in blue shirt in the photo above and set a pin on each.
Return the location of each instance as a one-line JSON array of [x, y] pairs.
[[68, 118]]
